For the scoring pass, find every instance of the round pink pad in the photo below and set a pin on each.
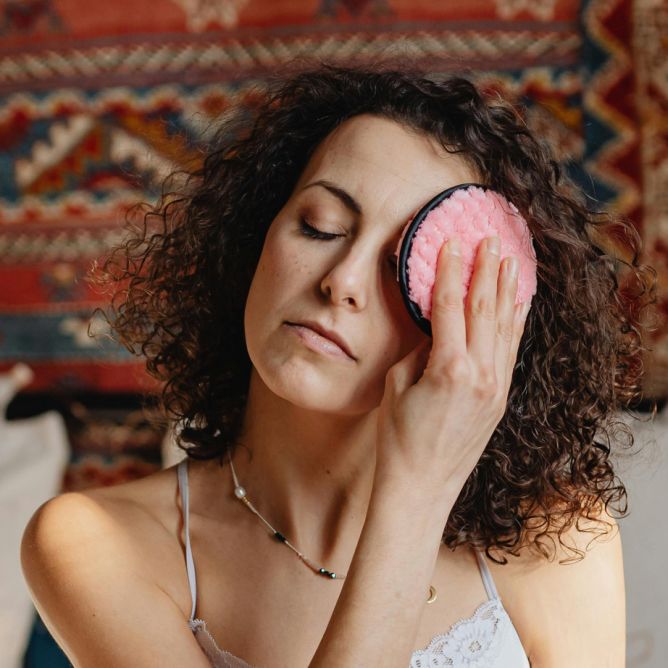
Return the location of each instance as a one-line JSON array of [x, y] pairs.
[[471, 214]]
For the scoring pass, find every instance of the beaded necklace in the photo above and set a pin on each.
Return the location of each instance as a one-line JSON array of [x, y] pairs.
[[240, 493]]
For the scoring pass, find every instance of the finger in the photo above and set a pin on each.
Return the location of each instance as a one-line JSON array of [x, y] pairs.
[[481, 305], [505, 315], [448, 323], [521, 311]]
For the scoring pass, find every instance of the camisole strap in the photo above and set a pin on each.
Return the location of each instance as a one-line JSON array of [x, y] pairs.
[[182, 474], [487, 580]]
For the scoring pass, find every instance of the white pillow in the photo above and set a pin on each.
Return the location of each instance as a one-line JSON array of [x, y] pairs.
[[645, 540], [33, 457]]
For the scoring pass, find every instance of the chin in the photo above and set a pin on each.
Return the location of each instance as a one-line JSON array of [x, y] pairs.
[[310, 388]]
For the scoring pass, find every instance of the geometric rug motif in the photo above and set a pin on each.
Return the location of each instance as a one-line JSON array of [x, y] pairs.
[[93, 113]]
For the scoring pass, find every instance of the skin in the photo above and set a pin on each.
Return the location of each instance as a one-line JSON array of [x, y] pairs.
[[322, 459], [318, 413]]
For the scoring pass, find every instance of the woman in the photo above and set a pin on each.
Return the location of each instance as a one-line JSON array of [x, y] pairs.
[[391, 459]]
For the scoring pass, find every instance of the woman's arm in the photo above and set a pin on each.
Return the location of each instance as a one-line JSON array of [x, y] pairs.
[[434, 421], [579, 609], [89, 583], [376, 618]]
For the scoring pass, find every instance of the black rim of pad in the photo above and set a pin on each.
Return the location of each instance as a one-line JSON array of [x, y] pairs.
[[423, 323]]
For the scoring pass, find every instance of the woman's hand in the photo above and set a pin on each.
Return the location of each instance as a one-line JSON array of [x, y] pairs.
[[434, 421]]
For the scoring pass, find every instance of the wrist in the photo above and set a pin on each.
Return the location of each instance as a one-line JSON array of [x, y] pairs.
[[397, 496], [414, 489]]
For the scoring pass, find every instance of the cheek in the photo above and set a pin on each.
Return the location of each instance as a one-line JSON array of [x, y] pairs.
[[402, 336], [407, 332], [393, 337], [276, 265], [286, 253], [279, 274]]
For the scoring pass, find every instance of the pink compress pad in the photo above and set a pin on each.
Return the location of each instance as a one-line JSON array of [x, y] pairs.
[[470, 213]]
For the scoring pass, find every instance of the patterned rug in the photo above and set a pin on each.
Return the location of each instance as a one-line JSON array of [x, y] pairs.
[[625, 103], [97, 104], [95, 107]]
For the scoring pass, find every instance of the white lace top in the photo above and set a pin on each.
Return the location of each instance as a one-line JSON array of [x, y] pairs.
[[487, 639]]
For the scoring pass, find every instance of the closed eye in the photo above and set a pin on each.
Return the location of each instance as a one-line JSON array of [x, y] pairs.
[[313, 233], [310, 231]]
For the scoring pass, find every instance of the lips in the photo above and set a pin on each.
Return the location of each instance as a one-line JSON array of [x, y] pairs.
[[330, 334]]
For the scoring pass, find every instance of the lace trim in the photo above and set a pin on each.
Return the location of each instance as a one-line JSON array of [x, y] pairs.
[[472, 641], [219, 657]]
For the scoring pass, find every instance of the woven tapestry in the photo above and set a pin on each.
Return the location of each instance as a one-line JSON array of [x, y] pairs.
[[99, 101], [96, 106]]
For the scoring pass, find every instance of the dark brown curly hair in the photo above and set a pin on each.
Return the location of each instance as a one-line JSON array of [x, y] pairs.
[[181, 277]]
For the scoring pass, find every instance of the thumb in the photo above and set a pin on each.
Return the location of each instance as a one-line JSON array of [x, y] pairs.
[[409, 369]]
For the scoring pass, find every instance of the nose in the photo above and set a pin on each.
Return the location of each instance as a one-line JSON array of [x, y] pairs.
[[349, 280]]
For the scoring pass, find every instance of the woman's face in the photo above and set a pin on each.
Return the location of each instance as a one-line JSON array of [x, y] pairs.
[[362, 184]]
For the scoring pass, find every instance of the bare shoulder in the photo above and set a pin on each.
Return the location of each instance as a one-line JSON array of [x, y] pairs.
[[90, 560], [570, 610], [139, 519]]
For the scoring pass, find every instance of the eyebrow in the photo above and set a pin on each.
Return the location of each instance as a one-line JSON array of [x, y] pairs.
[[343, 195]]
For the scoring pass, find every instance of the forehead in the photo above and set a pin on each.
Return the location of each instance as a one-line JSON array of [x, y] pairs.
[[390, 169]]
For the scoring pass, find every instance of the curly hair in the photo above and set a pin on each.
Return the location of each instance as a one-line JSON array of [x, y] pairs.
[[182, 274]]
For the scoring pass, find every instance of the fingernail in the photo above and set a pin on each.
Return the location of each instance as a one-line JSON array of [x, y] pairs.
[[454, 246], [512, 266], [493, 245]]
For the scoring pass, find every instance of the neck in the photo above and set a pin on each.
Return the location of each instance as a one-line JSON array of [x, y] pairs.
[[309, 474]]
